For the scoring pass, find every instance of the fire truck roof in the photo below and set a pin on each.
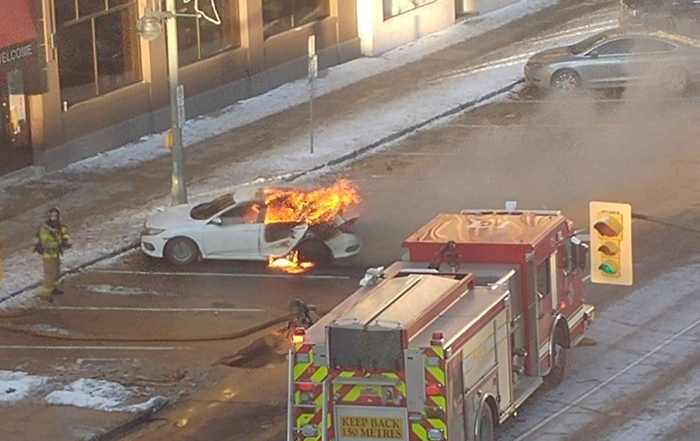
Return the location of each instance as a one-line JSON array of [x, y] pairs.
[[488, 227]]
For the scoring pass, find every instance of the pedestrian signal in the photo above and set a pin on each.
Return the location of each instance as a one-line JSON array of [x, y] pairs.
[[611, 243]]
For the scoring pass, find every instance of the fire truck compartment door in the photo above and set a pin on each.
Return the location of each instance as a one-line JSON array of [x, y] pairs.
[[370, 423]]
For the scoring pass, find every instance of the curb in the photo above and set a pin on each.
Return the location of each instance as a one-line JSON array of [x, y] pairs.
[[124, 428], [294, 176]]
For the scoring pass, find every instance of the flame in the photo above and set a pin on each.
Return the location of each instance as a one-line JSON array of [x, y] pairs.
[[311, 207], [289, 264]]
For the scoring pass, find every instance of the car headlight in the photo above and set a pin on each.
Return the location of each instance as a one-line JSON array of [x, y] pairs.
[[534, 65], [151, 231]]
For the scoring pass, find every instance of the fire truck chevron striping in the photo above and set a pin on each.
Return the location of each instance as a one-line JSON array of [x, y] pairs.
[[426, 353]]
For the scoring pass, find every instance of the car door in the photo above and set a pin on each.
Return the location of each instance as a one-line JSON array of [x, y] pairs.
[[649, 59], [234, 233], [604, 65]]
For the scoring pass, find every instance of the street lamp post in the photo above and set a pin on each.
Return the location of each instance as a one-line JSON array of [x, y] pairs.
[[149, 27]]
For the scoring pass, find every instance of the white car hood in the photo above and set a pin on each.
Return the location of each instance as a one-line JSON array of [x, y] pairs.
[[171, 217]]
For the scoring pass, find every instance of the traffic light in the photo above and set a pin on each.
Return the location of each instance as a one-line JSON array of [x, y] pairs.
[[611, 243]]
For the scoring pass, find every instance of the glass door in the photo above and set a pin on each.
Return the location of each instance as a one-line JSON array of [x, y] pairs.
[[15, 139]]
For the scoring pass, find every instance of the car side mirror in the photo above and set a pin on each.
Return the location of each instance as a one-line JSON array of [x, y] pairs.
[[593, 54], [216, 221]]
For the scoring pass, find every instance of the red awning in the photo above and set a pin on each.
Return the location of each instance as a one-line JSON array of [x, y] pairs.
[[16, 23]]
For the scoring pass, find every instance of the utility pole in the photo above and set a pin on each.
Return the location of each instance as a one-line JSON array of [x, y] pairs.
[[177, 109]]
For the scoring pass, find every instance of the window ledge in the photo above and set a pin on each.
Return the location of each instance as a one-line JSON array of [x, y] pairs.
[[305, 28]]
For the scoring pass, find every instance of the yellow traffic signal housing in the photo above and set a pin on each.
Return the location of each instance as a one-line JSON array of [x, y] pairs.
[[611, 243]]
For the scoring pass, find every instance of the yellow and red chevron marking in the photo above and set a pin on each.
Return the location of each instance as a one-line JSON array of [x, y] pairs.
[[435, 375], [366, 394]]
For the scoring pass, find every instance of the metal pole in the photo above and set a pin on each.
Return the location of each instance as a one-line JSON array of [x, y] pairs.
[[178, 188], [324, 412], [311, 115], [290, 395]]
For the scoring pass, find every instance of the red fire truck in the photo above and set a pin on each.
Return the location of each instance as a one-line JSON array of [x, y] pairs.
[[449, 342]]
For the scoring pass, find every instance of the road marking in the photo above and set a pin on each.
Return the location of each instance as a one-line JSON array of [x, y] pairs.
[[118, 308], [587, 278], [577, 401], [95, 348], [558, 126], [242, 275]]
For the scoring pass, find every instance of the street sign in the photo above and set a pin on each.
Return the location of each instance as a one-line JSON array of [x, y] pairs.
[[313, 68], [313, 59], [180, 96], [180, 117], [312, 46]]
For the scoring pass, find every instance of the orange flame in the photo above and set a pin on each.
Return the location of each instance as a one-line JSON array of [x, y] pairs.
[[312, 207], [289, 264]]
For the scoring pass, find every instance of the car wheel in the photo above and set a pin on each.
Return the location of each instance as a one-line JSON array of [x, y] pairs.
[[181, 251], [316, 252], [556, 374], [565, 81], [484, 430], [676, 81]]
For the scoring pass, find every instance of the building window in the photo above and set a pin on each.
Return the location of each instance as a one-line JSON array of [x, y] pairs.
[[98, 47], [392, 8], [200, 38], [283, 15]]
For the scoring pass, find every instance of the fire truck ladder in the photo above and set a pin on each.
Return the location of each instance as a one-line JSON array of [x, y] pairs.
[[291, 404]]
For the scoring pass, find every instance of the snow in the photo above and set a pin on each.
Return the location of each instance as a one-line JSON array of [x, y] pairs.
[[16, 386], [99, 395], [120, 290], [43, 327], [436, 96]]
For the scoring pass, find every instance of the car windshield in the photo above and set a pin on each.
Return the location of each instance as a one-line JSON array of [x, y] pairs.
[[588, 43], [206, 210]]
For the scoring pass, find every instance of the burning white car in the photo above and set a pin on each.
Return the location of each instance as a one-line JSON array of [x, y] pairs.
[[291, 229]]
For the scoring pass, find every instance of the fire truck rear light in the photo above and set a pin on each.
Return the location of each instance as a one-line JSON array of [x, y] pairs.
[[432, 389], [306, 387], [298, 336], [434, 434]]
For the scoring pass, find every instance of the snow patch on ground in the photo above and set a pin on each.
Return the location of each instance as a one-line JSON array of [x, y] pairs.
[[43, 327], [99, 395], [120, 290], [16, 386]]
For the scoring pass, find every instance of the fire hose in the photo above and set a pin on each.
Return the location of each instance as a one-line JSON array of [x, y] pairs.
[[293, 320]]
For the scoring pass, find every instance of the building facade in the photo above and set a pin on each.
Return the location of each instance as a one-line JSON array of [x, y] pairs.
[[76, 79], [386, 24], [99, 85]]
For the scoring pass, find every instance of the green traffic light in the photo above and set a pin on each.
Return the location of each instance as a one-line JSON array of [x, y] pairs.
[[607, 268]]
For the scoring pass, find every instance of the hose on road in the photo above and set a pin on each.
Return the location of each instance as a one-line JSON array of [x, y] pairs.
[[125, 339]]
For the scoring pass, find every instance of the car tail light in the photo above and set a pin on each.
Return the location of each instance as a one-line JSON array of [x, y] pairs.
[[347, 226]]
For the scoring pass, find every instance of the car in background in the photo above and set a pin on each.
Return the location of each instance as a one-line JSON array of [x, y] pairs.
[[678, 16], [232, 227], [616, 59]]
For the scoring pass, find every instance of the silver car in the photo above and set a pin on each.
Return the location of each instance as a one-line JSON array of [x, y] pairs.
[[618, 58]]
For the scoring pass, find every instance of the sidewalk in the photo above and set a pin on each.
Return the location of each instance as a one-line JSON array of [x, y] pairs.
[[105, 199]]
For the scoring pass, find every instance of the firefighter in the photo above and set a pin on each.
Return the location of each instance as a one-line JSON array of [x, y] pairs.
[[449, 254], [52, 240]]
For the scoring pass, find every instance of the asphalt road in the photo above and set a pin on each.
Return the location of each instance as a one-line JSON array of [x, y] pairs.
[[558, 154]]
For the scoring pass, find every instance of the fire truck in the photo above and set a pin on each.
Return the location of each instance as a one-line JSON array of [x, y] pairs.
[[449, 342]]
